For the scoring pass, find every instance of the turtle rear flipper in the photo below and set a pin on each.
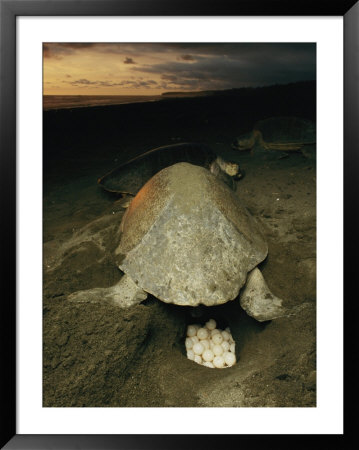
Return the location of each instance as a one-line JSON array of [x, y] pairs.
[[262, 152], [258, 301], [124, 201], [278, 134], [124, 294], [309, 151]]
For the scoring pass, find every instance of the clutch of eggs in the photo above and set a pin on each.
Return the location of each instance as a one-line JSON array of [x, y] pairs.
[[210, 346]]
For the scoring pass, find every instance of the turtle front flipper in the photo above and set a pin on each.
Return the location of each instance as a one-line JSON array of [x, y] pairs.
[[124, 294], [258, 301], [124, 201]]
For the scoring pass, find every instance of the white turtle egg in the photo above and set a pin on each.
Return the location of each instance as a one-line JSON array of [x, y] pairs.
[[213, 332], [191, 331], [208, 355], [225, 345], [218, 362], [208, 364], [198, 348], [195, 339], [225, 335], [188, 343], [205, 344], [211, 324], [217, 339], [229, 358], [217, 350], [202, 333], [209, 346]]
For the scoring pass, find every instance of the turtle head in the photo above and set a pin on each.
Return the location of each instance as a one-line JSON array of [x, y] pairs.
[[246, 141], [231, 168]]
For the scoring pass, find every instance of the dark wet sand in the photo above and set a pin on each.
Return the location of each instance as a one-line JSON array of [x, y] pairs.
[[98, 355]]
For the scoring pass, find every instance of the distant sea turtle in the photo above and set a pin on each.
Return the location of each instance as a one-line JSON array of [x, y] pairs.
[[279, 134], [187, 240], [130, 176]]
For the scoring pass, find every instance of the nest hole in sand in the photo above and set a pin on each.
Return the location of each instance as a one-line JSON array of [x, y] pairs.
[[244, 329], [169, 324]]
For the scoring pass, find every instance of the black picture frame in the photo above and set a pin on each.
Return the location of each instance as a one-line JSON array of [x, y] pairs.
[[9, 10]]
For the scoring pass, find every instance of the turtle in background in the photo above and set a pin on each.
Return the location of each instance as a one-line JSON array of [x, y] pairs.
[[128, 178], [280, 134], [187, 239]]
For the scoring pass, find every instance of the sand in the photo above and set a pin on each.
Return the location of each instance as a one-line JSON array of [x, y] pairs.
[[98, 355]]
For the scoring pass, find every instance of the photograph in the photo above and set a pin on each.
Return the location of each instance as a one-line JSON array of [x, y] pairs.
[[179, 224], [174, 186]]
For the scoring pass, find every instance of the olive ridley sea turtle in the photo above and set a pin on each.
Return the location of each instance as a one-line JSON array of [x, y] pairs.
[[129, 177], [285, 134], [187, 239]]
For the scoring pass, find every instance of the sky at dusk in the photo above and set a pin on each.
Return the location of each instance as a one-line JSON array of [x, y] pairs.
[[151, 69]]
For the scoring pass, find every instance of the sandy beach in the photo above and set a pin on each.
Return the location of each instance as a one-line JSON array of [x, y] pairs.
[[100, 355]]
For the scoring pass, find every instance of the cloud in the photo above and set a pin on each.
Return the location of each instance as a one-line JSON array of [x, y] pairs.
[[83, 82], [129, 61], [59, 50], [185, 66], [187, 58], [236, 65], [77, 45], [169, 77]]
